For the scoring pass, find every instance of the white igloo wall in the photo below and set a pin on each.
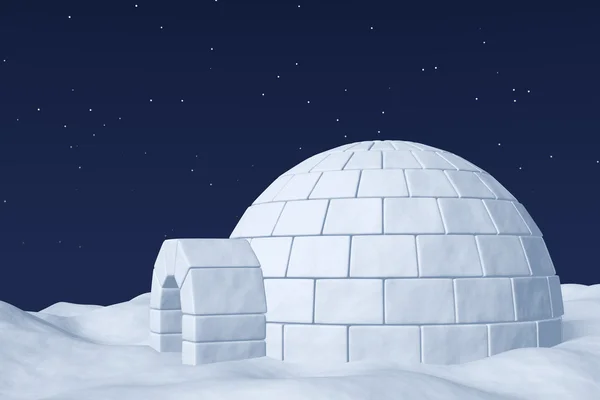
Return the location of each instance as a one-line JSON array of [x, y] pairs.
[[207, 301], [397, 251]]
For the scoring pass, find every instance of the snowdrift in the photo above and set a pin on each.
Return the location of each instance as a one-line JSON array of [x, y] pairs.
[[69, 351]]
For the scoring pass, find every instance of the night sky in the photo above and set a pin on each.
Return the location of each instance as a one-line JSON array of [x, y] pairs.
[[123, 124]]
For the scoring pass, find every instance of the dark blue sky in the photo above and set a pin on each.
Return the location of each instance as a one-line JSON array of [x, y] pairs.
[[121, 126]]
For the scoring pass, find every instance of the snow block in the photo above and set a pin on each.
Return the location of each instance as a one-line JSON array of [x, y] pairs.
[[379, 145], [400, 160], [419, 301], [209, 291], [480, 300], [429, 183], [375, 256], [460, 163], [506, 218], [319, 257], [549, 332], [556, 296], [333, 162], [364, 160], [336, 184], [315, 343], [509, 336], [349, 301], [499, 191], [538, 256], [165, 321], [212, 253], [205, 353], [289, 300], [258, 220], [400, 344], [366, 216], [274, 340], [535, 230], [411, 216], [382, 183], [273, 254], [432, 160], [466, 216], [502, 256], [448, 256], [271, 191], [532, 298], [165, 342], [213, 328], [303, 217], [467, 184], [298, 188], [454, 344]]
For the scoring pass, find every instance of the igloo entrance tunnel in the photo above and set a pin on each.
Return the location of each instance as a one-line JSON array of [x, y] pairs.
[[380, 251]]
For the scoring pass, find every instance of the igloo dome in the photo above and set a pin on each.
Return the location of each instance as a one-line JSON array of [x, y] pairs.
[[398, 251]]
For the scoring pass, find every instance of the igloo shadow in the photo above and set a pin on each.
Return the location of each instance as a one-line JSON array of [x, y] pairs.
[[207, 301]]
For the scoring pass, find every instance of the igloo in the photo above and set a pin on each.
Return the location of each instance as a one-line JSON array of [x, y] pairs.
[[398, 251]]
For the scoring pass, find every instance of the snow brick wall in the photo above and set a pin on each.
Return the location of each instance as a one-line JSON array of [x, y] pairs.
[[397, 251]]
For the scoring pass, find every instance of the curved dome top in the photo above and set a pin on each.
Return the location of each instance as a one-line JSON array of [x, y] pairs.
[[403, 187]]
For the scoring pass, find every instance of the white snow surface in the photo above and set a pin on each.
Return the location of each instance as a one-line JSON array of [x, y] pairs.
[[69, 351]]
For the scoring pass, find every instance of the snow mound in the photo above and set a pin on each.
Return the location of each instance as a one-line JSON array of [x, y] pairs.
[[64, 309], [95, 354]]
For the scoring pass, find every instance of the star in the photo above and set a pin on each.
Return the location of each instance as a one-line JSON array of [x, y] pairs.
[[90, 109], [69, 17], [476, 98], [515, 100]]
